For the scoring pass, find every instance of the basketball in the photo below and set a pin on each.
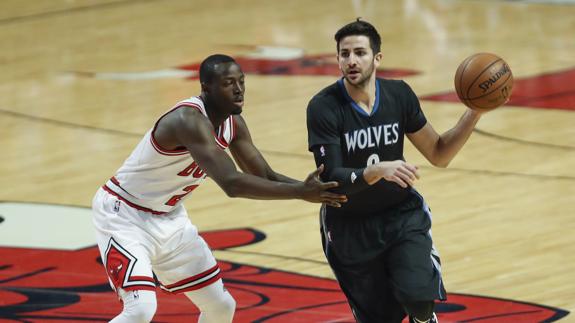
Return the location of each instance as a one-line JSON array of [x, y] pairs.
[[483, 81]]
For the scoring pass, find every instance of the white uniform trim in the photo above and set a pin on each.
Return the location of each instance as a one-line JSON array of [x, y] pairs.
[[155, 179]]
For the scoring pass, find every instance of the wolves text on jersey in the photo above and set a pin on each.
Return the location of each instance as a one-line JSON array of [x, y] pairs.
[[372, 136]]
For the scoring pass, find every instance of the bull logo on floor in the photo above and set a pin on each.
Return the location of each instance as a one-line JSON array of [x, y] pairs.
[[56, 275]]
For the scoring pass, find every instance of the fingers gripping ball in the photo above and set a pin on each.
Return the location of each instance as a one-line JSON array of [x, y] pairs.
[[483, 82]]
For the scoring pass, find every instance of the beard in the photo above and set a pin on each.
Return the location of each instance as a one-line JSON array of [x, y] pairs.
[[363, 79]]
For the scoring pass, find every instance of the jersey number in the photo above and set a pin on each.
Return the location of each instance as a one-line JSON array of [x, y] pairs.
[[176, 198], [193, 170], [373, 159]]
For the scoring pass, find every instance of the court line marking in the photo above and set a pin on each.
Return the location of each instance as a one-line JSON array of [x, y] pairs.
[[47, 14], [306, 156]]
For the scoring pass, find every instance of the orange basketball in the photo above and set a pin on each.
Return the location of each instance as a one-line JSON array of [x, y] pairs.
[[483, 81]]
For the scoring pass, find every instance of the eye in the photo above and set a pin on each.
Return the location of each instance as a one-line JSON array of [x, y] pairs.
[[344, 54]]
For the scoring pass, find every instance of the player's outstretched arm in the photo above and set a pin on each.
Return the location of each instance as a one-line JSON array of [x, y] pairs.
[[192, 130], [439, 150], [249, 158]]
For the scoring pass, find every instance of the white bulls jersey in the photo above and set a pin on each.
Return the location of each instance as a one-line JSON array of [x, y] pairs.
[[155, 179]]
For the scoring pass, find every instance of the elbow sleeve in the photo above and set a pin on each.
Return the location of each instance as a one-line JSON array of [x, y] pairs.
[[350, 180]]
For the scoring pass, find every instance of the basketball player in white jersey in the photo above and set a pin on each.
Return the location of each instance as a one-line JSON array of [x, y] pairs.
[[142, 227]]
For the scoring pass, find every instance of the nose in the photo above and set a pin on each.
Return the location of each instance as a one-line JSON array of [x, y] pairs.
[[352, 60], [238, 88]]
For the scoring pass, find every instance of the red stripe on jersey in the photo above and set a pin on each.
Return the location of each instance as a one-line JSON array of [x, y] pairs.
[[194, 278], [221, 142], [220, 138], [135, 206], [142, 278], [159, 149], [171, 152], [232, 129], [220, 130], [139, 287], [200, 285], [142, 283]]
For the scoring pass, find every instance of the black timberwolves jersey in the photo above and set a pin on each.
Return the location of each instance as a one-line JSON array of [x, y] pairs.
[[333, 118]]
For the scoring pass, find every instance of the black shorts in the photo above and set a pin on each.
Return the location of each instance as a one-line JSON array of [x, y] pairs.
[[384, 260]]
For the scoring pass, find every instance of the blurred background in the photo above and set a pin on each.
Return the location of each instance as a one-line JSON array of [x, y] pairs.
[[82, 81]]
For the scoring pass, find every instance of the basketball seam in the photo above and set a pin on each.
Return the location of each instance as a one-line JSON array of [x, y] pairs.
[[478, 76], [482, 107], [479, 97], [463, 72]]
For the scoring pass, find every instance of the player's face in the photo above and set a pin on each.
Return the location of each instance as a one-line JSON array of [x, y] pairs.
[[228, 88], [356, 59]]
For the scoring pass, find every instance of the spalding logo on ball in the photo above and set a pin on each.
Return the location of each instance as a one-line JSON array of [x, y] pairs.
[[483, 81]]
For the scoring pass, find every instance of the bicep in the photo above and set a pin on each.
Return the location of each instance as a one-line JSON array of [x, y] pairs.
[[196, 134], [245, 153], [322, 124]]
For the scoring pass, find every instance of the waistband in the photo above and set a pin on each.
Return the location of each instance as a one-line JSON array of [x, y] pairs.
[[113, 187]]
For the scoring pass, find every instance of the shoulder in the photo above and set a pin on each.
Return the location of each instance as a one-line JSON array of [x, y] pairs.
[[180, 124], [191, 108], [329, 96], [193, 102], [394, 86], [188, 113], [183, 118], [399, 90]]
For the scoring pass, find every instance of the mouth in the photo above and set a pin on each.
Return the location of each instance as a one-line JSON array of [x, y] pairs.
[[239, 100], [353, 73]]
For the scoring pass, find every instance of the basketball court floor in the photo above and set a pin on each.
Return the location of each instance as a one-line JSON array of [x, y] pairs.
[[82, 81]]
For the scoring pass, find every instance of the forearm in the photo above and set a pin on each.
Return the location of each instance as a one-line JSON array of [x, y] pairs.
[[255, 187], [451, 142], [273, 176], [263, 170], [351, 180], [397, 171], [252, 162]]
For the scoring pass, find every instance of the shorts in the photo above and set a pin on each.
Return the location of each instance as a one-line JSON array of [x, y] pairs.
[[384, 260], [141, 250]]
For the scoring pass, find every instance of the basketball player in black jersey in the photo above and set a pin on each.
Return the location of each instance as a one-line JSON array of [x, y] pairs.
[[378, 244]]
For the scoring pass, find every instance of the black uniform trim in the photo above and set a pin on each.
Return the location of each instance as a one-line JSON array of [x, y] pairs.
[[333, 118], [355, 105], [378, 244], [350, 180]]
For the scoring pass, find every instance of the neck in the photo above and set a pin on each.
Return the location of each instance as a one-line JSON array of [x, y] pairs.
[[215, 117], [363, 94]]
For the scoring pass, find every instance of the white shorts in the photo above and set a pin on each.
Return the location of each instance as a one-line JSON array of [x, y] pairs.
[[135, 245]]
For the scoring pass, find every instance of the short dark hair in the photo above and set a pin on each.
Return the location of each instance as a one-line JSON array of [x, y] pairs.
[[360, 27], [208, 66]]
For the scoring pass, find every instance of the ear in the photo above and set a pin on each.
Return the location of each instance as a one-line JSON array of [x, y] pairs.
[[377, 58], [205, 88]]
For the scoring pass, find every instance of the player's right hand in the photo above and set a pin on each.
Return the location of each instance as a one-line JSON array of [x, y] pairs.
[[399, 171], [314, 190]]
